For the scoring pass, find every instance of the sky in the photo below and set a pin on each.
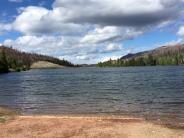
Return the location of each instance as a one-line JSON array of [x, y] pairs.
[[90, 31]]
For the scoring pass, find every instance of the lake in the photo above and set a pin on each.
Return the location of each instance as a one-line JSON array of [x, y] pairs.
[[155, 93]]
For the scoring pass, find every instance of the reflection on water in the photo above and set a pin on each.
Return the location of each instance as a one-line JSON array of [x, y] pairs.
[[151, 92]]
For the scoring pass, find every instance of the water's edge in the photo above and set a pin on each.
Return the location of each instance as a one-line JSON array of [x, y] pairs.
[[153, 93]]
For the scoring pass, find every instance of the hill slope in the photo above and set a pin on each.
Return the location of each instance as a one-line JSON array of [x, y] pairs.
[[45, 65], [166, 55], [16, 60]]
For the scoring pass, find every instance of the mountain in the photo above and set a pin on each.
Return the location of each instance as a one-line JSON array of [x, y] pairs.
[[166, 55], [161, 51], [12, 59]]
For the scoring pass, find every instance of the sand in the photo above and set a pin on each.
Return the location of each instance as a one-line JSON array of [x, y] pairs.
[[84, 127], [45, 65]]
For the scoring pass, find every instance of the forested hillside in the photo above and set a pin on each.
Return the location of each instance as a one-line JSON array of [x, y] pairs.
[[11, 59], [166, 55]]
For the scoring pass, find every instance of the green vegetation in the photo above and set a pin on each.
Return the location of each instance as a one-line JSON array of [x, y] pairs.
[[14, 60], [3, 63], [161, 56]]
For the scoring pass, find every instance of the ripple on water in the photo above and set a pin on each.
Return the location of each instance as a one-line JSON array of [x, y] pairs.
[[155, 93]]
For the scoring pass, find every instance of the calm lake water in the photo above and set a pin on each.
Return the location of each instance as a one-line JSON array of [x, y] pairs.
[[155, 93]]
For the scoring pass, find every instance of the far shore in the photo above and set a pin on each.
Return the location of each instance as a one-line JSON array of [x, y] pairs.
[[47, 126]]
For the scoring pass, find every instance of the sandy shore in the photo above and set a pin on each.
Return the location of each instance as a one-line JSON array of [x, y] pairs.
[[84, 127]]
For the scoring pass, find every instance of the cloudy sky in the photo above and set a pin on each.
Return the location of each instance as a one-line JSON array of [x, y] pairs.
[[89, 31]]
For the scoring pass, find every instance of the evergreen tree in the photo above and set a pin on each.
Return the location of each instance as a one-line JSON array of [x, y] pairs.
[[3, 63]]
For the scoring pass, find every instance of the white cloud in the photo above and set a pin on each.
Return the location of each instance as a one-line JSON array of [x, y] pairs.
[[84, 57], [109, 34], [28, 20], [107, 58], [181, 31], [43, 44], [119, 12], [77, 16], [99, 35], [39, 20], [171, 43], [4, 28], [174, 42], [15, 0], [113, 47]]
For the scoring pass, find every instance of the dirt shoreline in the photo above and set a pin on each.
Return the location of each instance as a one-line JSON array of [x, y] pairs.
[[84, 127]]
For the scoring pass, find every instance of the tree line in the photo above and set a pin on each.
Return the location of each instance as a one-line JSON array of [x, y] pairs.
[[162, 56], [12, 59]]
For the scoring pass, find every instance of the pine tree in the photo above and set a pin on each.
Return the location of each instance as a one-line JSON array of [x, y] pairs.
[[3, 63]]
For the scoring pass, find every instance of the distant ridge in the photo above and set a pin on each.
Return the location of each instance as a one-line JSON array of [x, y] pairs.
[[161, 51], [165, 55], [16, 60]]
